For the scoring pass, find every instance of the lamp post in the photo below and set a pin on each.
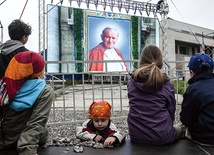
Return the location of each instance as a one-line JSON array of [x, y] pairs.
[[203, 46]]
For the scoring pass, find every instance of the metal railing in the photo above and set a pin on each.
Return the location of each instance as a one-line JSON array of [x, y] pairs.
[[74, 92]]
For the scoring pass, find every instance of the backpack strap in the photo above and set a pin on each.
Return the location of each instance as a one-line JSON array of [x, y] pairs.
[[4, 99]]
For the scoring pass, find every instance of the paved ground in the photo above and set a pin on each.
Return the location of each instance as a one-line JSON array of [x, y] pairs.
[[182, 147], [81, 96]]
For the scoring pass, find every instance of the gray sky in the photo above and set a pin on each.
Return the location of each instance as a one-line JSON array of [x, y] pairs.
[[196, 12]]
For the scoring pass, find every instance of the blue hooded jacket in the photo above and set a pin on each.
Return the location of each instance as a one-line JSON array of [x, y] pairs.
[[197, 112]]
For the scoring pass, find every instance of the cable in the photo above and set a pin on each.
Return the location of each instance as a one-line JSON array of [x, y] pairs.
[[208, 49], [187, 25], [23, 9], [193, 34], [160, 25], [2, 2]]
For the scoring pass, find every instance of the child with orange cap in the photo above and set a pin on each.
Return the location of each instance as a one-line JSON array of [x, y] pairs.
[[99, 127]]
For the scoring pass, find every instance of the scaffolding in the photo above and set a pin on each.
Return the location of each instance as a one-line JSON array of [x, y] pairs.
[[131, 7], [42, 27]]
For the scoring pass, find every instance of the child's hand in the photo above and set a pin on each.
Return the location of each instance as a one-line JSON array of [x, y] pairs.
[[109, 141], [98, 138]]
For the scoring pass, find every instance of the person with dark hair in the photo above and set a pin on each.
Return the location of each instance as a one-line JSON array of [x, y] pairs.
[[152, 102], [26, 104], [197, 109], [106, 51], [19, 33]]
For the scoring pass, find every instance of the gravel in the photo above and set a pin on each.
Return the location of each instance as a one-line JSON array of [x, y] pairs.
[[63, 134]]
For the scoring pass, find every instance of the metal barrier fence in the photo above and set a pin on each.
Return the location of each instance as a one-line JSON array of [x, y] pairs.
[[74, 92]]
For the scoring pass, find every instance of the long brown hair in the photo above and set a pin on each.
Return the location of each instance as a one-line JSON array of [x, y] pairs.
[[149, 71]]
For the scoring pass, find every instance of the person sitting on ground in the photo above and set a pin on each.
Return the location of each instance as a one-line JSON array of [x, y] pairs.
[[99, 127], [19, 33], [152, 102], [26, 105], [197, 109]]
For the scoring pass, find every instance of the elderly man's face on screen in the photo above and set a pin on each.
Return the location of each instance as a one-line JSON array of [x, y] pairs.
[[109, 38]]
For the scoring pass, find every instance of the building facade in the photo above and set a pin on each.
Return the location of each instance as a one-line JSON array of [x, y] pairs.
[[183, 41]]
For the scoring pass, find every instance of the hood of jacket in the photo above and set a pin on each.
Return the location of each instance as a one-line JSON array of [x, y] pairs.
[[140, 86], [201, 76], [27, 94], [10, 46], [139, 83]]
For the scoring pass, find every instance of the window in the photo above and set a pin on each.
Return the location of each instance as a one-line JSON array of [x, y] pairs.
[[176, 49], [183, 50], [186, 48]]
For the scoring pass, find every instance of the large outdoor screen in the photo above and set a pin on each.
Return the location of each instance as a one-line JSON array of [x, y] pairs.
[[102, 41]]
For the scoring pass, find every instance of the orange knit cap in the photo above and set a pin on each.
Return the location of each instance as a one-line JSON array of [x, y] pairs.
[[101, 109]]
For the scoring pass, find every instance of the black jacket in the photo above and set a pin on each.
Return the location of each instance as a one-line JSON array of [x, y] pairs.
[[7, 51], [197, 112]]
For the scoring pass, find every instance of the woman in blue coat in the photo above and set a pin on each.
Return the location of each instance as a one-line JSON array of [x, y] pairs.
[[152, 102]]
